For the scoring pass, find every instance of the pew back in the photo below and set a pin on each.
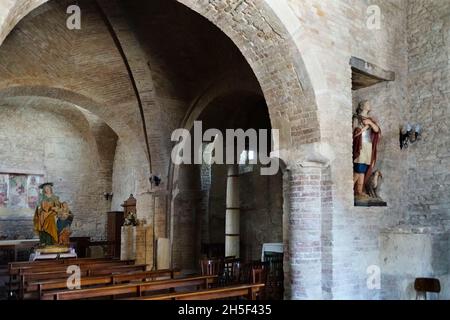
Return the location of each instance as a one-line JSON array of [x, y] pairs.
[[248, 291], [42, 286], [137, 289]]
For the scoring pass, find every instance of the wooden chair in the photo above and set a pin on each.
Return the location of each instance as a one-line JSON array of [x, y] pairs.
[[275, 278], [425, 285], [212, 267], [246, 275], [259, 276], [232, 270]]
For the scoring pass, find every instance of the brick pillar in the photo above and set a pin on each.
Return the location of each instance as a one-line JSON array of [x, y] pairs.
[[232, 232], [305, 198]]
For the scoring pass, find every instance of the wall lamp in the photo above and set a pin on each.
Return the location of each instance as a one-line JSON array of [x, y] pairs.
[[108, 196], [154, 179], [409, 134]]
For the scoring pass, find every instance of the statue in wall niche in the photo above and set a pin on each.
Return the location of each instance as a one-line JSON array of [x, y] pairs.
[[366, 136], [52, 219]]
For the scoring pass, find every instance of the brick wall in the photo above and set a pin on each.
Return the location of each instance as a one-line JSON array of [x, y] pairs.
[[58, 141], [429, 88], [299, 51]]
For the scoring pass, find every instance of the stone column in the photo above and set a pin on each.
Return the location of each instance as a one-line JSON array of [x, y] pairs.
[[306, 231], [232, 233]]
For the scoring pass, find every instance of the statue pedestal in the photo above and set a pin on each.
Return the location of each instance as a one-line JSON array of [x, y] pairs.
[[53, 253], [137, 244], [128, 243], [369, 202]]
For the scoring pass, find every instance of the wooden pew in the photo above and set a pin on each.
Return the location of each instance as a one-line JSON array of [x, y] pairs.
[[85, 270], [62, 267], [13, 267], [249, 291], [42, 286], [137, 289], [17, 268], [58, 261]]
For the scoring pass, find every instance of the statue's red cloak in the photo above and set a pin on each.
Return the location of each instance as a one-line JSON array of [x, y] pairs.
[[357, 145]]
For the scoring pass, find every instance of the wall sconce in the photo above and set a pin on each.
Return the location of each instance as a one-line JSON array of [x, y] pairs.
[[409, 134], [154, 179], [108, 196]]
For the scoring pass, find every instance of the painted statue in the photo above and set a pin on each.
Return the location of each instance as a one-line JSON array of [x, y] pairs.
[[63, 224], [366, 135], [52, 219]]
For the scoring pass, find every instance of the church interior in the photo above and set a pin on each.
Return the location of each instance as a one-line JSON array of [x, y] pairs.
[[354, 96]]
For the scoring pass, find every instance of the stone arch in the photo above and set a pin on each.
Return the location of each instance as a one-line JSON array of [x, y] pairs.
[[275, 60], [223, 87], [76, 99], [267, 46], [131, 143], [278, 64]]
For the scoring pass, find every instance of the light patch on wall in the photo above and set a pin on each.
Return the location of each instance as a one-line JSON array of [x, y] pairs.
[[319, 11]]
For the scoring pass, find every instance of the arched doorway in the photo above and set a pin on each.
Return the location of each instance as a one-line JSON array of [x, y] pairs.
[[265, 46]]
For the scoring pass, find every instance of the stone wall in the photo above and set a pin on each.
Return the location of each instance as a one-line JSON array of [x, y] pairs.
[[420, 246], [299, 51], [186, 224], [90, 76], [47, 137], [261, 212], [411, 252], [428, 197], [261, 202], [335, 31]]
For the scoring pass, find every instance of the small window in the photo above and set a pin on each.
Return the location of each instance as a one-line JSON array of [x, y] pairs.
[[244, 161]]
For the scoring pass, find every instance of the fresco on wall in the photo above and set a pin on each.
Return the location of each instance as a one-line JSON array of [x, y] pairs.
[[19, 195], [17, 191], [33, 190]]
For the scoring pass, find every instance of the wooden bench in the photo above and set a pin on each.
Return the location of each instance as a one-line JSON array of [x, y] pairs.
[[15, 272], [61, 260], [13, 267], [137, 289], [27, 275], [26, 278], [249, 291], [62, 267], [17, 268], [41, 286]]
